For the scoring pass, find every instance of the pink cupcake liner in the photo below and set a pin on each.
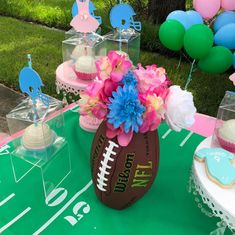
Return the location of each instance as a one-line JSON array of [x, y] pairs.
[[226, 144], [85, 76]]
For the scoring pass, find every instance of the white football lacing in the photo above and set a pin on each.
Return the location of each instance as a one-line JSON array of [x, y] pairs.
[[105, 167]]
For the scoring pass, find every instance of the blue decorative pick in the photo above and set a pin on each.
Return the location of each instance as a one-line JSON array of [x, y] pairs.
[[31, 84], [92, 10], [121, 17]]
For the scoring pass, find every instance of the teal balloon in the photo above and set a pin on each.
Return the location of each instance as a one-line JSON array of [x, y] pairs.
[[226, 36], [182, 17], [218, 60], [234, 60], [171, 35], [198, 41], [194, 17], [223, 19]]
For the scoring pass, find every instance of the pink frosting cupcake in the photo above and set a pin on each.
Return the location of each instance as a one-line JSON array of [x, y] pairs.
[[85, 68], [226, 135]]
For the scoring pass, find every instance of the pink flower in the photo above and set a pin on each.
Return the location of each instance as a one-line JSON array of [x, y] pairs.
[[87, 103], [100, 111], [92, 106], [94, 88], [154, 113], [104, 68], [120, 65], [151, 122], [108, 87], [113, 66], [151, 79], [123, 138]]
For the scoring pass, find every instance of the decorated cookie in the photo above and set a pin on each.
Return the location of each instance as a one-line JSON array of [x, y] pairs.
[[219, 166]]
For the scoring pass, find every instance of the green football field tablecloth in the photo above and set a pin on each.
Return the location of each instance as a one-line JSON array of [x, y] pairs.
[[167, 208]]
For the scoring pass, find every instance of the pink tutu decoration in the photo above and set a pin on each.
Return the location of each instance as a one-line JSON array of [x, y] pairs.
[[84, 22]]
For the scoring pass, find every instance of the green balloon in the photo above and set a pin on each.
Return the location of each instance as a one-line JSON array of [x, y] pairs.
[[198, 41], [171, 35], [218, 60]]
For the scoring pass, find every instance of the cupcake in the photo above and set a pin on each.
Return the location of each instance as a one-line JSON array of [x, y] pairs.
[[226, 135], [80, 50], [38, 137], [85, 68]]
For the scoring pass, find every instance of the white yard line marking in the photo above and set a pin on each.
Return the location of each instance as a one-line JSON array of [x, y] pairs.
[[44, 187], [14, 220], [186, 139], [4, 150], [166, 134], [7, 199], [55, 216]]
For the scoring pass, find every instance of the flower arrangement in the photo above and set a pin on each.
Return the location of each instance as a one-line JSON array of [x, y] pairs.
[[135, 100]]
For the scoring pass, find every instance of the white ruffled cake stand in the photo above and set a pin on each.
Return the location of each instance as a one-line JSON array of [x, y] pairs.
[[221, 201]]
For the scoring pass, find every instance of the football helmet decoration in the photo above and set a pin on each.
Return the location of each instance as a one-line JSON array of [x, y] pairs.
[[121, 17], [31, 83]]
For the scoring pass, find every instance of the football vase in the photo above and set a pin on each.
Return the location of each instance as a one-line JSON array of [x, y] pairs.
[[122, 175]]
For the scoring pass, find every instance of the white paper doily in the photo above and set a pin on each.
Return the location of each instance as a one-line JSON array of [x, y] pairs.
[[221, 201]]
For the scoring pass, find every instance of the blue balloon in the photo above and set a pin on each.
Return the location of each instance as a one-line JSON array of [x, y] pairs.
[[223, 19], [182, 17], [234, 60], [195, 17], [226, 36]]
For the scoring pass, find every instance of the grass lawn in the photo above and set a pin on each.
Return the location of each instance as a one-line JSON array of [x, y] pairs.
[[17, 39], [55, 13]]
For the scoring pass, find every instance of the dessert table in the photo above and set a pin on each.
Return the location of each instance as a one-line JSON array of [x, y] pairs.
[[167, 208]]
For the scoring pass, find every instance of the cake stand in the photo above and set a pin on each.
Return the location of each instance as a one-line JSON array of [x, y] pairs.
[[221, 201], [68, 83]]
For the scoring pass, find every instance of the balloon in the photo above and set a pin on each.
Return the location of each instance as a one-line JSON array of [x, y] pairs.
[[234, 60], [182, 17], [198, 41], [223, 19], [195, 17], [226, 36], [207, 8], [218, 60], [228, 5], [171, 34]]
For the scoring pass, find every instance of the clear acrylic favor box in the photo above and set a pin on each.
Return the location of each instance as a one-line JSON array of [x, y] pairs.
[[127, 41], [80, 54], [40, 144], [72, 32], [224, 134]]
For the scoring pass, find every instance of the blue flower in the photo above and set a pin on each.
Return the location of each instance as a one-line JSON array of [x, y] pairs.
[[125, 108], [129, 79]]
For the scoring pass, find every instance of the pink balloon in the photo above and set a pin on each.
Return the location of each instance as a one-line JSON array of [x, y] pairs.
[[207, 8], [228, 5], [232, 78]]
